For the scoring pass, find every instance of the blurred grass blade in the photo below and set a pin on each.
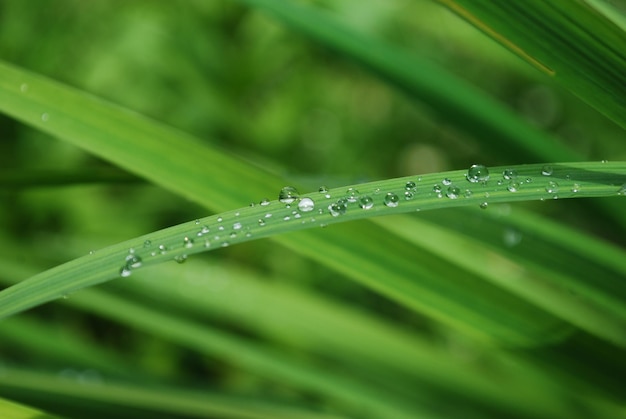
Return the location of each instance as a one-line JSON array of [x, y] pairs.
[[454, 100], [11, 410], [102, 397], [584, 49], [518, 387]]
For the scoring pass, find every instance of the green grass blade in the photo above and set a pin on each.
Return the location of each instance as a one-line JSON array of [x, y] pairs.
[[11, 410], [101, 398], [432, 373], [468, 303], [456, 101], [584, 50]]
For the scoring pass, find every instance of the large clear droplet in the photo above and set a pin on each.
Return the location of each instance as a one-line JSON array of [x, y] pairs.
[[366, 202], [547, 170], [288, 195], [338, 208], [552, 187], [513, 187], [453, 192], [306, 204], [509, 174], [477, 173], [352, 194], [133, 261], [391, 200]]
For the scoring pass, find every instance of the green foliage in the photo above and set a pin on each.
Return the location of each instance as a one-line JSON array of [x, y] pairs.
[[506, 300]]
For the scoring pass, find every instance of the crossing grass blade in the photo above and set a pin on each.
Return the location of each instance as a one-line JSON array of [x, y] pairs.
[[451, 98], [419, 364], [585, 52]]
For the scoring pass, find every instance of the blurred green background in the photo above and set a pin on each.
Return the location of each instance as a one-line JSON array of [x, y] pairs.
[[234, 77]]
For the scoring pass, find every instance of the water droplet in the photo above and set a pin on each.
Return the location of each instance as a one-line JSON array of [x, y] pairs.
[[509, 174], [483, 205], [181, 258], [352, 194], [323, 189], [225, 244], [306, 204], [162, 249], [622, 190], [261, 222], [268, 215], [220, 228], [237, 226], [410, 186], [552, 187], [251, 204], [338, 208], [408, 195], [547, 170], [446, 182], [604, 161], [366, 202], [438, 191], [187, 242], [288, 195], [468, 193], [197, 222], [147, 243], [575, 188], [125, 271], [391, 200], [45, 117], [513, 187], [133, 261], [286, 218], [264, 202], [477, 173], [453, 192], [205, 230]]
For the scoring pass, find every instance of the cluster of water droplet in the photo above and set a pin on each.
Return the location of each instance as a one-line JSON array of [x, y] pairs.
[[131, 261]]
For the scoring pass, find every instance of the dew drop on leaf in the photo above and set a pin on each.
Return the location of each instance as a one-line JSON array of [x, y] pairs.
[[306, 204], [547, 170], [352, 194], [181, 258], [552, 187], [187, 242], [509, 174], [446, 182], [453, 192], [338, 208], [477, 173], [288, 195], [391, 200], [513, 187], [264, 202], [237, 226], [483, 205], [366, 202], [133, 261]]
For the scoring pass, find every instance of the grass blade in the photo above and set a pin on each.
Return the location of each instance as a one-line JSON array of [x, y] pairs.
[[456, 101], [448, 301], [583, 49]]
